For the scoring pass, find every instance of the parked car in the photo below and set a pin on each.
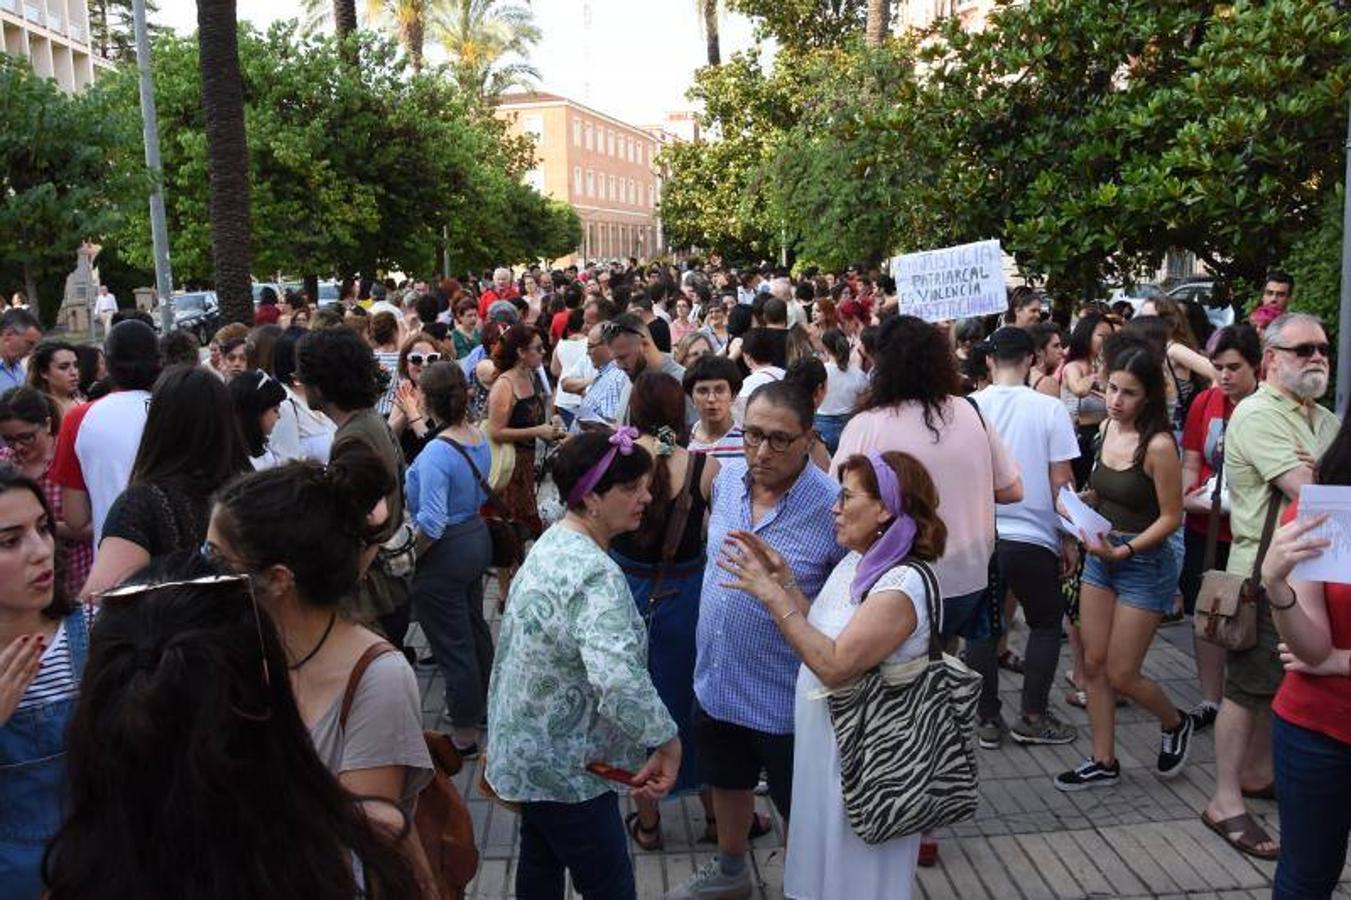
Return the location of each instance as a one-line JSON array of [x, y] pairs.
[[328, 293], [197, 312], [1201, 292], [258, 290], [1135, 295]]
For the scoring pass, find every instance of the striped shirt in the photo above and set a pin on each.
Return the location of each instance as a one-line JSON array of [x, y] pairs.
[[730, 446], [603, 400], [56, 674], [745, 672]]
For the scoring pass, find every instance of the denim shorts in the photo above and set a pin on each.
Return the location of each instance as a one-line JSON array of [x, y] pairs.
[[1145, 581]]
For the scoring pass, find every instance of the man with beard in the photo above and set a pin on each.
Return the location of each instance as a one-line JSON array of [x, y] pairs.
[[634, 351], [1273, 439]]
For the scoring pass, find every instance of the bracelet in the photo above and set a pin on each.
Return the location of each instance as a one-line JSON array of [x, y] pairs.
[[1293, 598], [1129, 549], [788, 615]]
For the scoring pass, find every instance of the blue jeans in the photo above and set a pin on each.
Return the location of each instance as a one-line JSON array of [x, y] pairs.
[[829, 428], [1313, 784], [586, 839]]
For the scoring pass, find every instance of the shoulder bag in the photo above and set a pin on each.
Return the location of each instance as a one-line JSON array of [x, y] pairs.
[[442, 822], [507, 540], [1226, 605], [907, 764], [675, 528]]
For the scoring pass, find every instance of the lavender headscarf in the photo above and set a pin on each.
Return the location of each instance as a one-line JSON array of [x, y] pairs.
[[894, 544]]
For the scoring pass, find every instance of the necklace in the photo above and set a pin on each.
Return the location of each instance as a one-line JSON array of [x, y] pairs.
[[309, 656]]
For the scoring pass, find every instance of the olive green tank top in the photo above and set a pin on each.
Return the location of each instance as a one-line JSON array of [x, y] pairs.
[[1126, 497]]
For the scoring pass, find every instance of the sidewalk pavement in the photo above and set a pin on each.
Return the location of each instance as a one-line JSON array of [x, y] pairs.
[[1141, 838]]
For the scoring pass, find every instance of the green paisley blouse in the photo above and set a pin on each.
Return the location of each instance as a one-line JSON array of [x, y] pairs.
[[569, 683]]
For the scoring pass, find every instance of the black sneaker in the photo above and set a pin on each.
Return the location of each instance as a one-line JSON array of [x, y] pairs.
[[1090, 774], [1203, 716], [1174, 746]]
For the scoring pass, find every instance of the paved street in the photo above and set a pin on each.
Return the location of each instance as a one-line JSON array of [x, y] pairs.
[[1142, 838]]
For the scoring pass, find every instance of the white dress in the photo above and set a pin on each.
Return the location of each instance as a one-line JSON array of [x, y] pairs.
[[826, 859]]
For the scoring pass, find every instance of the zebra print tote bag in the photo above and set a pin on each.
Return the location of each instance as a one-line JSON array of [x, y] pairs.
[[907, 763]]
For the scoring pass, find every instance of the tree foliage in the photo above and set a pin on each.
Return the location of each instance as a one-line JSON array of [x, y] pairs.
[[1091, 136], [67, 168], [805, 24], [351, 169]]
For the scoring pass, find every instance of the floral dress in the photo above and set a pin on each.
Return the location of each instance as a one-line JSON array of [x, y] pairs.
[[570, 684]]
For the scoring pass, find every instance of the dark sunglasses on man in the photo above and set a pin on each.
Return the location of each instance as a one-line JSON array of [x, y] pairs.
[[1306, 350]]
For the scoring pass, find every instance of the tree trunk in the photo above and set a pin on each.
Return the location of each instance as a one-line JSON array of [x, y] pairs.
[[227, 157], [345, 26], [878, 11], [710, 8], [414, 36], [30, 289], [312, 288]]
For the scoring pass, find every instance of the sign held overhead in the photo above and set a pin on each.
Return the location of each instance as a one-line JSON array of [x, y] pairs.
[[951, 283]]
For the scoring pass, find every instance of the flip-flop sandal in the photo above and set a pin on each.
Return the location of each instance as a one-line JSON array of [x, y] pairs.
[[1243, 834], [1079, 697], [1263, 793], [636, 829], [760, 826], [1011, 661]]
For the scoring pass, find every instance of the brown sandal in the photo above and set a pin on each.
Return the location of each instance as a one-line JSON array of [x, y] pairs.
[[634, 823], [1243, 834]]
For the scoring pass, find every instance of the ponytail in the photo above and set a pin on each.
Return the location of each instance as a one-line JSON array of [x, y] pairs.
[[838, 346]]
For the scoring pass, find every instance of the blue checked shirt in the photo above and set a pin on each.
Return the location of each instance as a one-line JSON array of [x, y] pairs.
[[745, 672], [601, 402]]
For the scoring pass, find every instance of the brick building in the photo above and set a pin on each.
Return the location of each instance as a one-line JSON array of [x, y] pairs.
[[602, 167]]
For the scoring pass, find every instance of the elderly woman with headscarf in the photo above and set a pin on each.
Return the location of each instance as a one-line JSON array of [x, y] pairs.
[[873, 609]]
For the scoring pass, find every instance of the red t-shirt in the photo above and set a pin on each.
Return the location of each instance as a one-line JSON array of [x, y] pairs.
[[1203, 433], [266, 314], [66, 469], [490, 296], [1321, 703]]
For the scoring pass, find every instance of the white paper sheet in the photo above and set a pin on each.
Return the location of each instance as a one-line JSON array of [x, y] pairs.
[[1334, 564], [1082, 518]]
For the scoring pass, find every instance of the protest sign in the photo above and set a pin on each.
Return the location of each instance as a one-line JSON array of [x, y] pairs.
[[952, 283], [1334, 563]]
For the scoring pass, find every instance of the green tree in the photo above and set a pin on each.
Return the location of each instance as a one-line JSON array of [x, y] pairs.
[[481, 37], [110, 28], [805, 24], [67, 167]]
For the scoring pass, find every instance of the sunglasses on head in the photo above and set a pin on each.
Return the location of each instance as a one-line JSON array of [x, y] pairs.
[[1306, 350], [419, 359]]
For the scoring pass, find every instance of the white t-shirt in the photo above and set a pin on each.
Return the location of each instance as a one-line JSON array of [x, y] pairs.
[[106, 448], [1037, 430], [573, 362], [753, 381], [105, 303], [843, 388]]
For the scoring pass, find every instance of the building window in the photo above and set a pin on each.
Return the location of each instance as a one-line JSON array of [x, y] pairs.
[[576, 132], [632, 148], [577, 180], [651, 196], [590, 143], [590, 183], [612, 195], [535, 178], [610, 142], [534, 126]]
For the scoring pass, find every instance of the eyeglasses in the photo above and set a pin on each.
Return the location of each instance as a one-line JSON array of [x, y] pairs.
[[610, 330], [1306, 350], [208, 581], [778, 442], [26, 439], [418, 359]]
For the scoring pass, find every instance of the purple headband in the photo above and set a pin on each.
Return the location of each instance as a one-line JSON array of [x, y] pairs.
[[894, 544], [620, 442]]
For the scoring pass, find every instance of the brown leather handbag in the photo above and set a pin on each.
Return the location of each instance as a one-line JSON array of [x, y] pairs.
[[1226, 606], [442, 821], [507, 535]]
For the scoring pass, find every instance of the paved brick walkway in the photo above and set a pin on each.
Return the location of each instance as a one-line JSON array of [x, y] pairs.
[[1142, 838]]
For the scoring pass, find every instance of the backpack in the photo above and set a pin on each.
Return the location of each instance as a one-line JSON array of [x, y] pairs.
[[442, 821]]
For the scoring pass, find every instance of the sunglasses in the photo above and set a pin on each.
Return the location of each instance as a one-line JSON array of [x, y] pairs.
[[419, 359], [1304, 351], [122, 594]]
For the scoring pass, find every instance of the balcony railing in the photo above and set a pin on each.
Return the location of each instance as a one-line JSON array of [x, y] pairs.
[[56, 22], [10, 6], [77, 33], [33, 12]]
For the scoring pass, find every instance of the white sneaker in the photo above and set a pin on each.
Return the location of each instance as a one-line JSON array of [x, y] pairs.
[[709, 883]]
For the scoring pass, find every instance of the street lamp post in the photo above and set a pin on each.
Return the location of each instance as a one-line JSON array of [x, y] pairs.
[[1344, 318], [159, 230]]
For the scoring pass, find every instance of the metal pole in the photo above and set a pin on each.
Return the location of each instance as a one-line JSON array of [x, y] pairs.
[[159, 230], [1344, 317]]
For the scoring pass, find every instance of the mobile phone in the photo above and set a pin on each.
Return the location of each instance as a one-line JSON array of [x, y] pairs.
[[607, 771]]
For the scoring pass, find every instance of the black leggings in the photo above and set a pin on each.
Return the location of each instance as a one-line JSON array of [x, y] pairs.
[[1033, 574]]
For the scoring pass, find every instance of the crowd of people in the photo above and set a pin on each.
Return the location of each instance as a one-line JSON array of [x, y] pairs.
[[710, 500]]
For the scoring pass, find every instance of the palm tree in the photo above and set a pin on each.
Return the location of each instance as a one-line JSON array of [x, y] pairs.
[[709, 11], [409, 20], [876, 31], [344, 16], [227, 156], [478, 35]]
